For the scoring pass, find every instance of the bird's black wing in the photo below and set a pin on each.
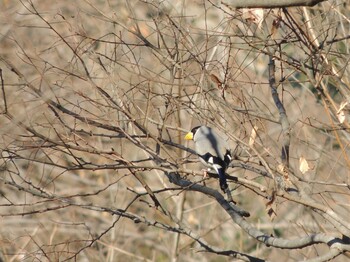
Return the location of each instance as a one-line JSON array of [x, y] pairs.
[[220, 167]]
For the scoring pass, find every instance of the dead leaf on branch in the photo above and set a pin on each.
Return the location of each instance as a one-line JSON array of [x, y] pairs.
[[253, 15], [253, 135], [341, 113], [220, 85], [281, 168], [250, 15], [275, 25], [303, 165], [217, 81], [271, 206]]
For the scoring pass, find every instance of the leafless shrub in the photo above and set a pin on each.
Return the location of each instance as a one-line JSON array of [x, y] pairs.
[[96, 99]]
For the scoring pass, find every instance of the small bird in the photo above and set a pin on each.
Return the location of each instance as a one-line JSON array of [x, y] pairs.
[[213, 152]]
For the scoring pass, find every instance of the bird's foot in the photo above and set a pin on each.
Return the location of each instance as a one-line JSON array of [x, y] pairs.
[[205, 175]]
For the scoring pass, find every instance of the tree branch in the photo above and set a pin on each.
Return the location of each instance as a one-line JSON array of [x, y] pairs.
[[270, 3], [237, 217], [283, 115]]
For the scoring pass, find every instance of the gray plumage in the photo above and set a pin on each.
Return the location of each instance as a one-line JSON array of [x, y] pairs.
[[207, 141], [212, 151]]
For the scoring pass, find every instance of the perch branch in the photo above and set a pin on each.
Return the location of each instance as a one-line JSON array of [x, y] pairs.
[[333, 242]]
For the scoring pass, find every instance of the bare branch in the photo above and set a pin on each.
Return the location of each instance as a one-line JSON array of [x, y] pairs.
[[96, 103], [237, 216], [271, 3], [282, 112]]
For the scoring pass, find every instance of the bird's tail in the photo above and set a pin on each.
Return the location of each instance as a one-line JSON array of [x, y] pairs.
[[222, 177], [223, 183]]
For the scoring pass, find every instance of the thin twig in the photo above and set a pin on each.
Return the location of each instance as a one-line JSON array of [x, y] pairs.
[[3, 92], [282, 112], [301, 242]]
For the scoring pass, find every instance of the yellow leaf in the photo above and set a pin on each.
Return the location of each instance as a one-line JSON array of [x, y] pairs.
[[340, 112], [253, 135], [280, 168], [342, 106], [192, 219], [341, 116], [303, 165]]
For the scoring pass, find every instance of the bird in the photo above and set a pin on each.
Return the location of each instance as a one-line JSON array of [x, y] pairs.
[[213, 152]]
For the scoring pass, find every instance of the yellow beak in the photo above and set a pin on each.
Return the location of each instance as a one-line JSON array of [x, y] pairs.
[[189, 136]]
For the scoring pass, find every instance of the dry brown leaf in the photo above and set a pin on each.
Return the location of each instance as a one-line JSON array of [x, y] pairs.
[[271, 207], [216, 80], [275, 25], [254, 15], [220, 85]]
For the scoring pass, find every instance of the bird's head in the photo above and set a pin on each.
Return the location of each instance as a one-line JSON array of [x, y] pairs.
[[190, 135]]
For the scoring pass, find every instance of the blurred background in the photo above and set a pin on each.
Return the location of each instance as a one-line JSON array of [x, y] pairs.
[[96, 97]]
